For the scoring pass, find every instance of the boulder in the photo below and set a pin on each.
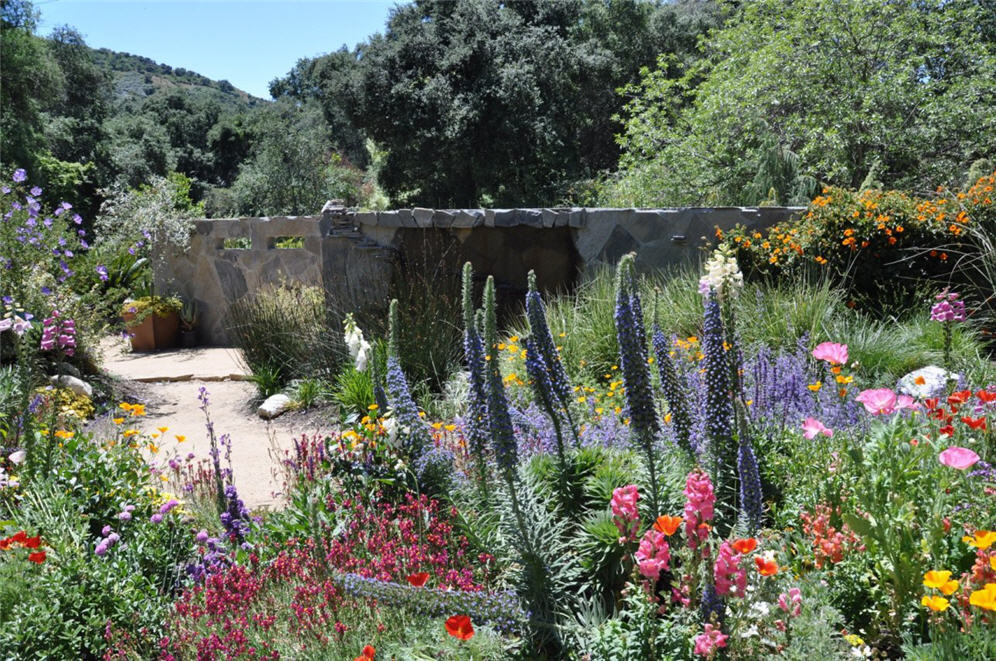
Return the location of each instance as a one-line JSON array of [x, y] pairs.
[[78, 386], [275, 405], [929, 381]]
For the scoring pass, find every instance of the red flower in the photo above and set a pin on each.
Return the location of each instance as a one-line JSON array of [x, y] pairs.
[[947, 429], [974, 423], [367, 654], [986, 397], [32, 542], [459, 627], [959, 397], [419, 579], [765, 567], [931, 403], [745, 546], [19, 537], [38, 557]]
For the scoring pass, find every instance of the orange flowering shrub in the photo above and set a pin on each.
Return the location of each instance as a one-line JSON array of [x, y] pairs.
[[874, 242]]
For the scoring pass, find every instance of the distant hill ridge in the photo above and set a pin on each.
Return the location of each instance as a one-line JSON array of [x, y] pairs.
[[137, 76]]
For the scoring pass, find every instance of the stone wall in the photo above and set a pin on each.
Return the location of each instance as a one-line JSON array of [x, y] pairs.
[[352, 255]]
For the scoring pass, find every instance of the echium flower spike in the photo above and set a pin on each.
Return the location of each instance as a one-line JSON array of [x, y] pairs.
[[539, 375], [543, 342], [412, 429], [478, 426], [393, 326], [751, 505], [674, 392], [635, 369], [722, 463], [499, 417]]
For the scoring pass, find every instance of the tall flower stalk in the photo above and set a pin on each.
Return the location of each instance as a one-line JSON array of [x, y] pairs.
[[721, 449], [411, 428], [674, 389], [499, 417], [636, 369], [478, 422], [542, 339]]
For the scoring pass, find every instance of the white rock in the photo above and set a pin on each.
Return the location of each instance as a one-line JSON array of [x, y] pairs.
[[78, 386], [935, 382], [274, 406]]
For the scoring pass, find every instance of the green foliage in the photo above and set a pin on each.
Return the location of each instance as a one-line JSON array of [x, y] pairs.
[[904, 90], [354, 391], [284, 333]]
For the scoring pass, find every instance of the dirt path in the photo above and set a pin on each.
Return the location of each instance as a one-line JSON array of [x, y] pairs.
[[174, 404]]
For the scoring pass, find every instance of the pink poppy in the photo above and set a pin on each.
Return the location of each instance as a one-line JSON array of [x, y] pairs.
[[880, 401], [811, 427], [833, 353], [956, 457], [906, 402]]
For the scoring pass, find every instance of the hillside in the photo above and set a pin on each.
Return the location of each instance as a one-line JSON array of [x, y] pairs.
[[135, 77]]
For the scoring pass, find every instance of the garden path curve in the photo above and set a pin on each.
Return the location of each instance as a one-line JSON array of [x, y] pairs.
[[169, 382]]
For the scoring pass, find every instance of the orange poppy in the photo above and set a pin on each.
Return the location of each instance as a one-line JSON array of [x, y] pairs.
[[667, 524], [745, 546], [765, 567], [959, 397], [419, 579], [367, 654], [459, 627]]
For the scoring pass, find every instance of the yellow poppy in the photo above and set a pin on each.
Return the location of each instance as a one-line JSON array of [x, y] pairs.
[[934, 603], [982, 539], [984, 598]]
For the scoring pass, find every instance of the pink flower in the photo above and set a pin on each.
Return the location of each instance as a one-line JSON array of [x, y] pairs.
[[906, 402], [653, 555], [624, 512], [880, 401], [833, 353], [811, 427], [791, 602], [709, 641], [956, 457], [730, 577], [700, 504]]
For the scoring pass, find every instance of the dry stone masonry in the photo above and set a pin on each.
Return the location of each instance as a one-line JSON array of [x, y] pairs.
[[351, 254]]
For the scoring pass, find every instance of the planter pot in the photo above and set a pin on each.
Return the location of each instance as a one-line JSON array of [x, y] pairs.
[[154, 333]]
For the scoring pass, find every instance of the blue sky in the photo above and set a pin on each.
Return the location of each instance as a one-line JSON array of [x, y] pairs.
[[246, 42]]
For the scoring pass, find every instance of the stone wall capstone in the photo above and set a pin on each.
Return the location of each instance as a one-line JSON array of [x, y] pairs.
[[353, 254]]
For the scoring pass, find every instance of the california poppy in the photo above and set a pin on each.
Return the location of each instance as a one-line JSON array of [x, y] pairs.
[[745, 546], [459, 627], [667, 524], [419, 579], [765, 567], [367, 654]]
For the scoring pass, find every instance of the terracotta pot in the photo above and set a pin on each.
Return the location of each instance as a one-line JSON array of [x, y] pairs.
[[154, 333]]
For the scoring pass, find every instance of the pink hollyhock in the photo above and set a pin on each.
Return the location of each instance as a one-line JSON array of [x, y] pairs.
[[709, 641], [653, 555], [791, 602], [833, 353], [730, 577], [625, 515], [811, 427], [700, 504], [880, 401], [956, 457]]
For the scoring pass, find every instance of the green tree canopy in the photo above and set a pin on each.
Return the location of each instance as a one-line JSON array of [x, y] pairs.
[[835, 91]]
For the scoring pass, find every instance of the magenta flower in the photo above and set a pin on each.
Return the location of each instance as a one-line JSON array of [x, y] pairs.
[[948, 308], [811, 427], [730, 577], [624, 512], [654, 555], [833, 353], [956, 457], [791, 602], [709, 641], [879, 401], [700, 501]]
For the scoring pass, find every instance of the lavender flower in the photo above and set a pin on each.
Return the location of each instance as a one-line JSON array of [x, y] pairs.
[[19, 175]]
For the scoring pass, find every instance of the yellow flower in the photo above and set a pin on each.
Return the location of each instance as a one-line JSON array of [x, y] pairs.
[[138, 409], [935, 603], [372, 407], [940, 580], [154, 435], [437, 425], [599, 410], [844, 379], [982, 539], [117, 421], [984, 598], [815, 386], [180, 438], [153, 448], [450, 427], [62, 433], [125, 405], [992, 562], [163, 430], [129, 432]]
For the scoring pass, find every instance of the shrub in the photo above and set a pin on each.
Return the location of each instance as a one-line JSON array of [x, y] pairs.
[[284, 333]]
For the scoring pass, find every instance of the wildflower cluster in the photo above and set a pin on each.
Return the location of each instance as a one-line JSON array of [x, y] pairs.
[[20, 539]]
